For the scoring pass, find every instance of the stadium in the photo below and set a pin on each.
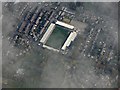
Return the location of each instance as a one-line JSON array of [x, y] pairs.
[[58, 36]]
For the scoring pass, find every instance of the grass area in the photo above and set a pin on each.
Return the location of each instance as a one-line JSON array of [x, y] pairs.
[[58, 37]]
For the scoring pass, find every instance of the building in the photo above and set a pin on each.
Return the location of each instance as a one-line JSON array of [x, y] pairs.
[[71, 38], [47, 34]]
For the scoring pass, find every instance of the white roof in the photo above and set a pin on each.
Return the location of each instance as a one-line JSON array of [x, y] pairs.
[[50, 48], [47, 33], [69, 40], [65, 24]]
